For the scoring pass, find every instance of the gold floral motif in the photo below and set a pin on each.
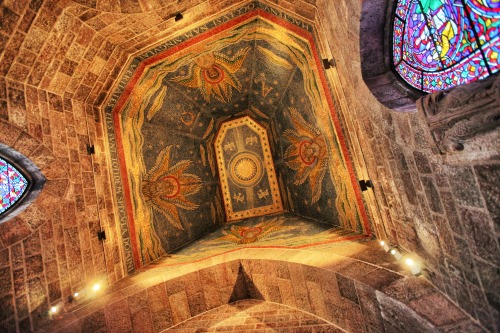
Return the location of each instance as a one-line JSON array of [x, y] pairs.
[[248, 235], [307, 154], [213, 73], [165, 188]]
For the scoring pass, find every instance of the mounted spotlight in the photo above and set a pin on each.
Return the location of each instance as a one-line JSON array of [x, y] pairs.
[[396, 253], [385, 246], [329, 63], [414, 267], [178, 17]]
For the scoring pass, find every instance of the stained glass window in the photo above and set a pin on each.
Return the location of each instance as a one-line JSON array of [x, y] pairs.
[[439, 44], [13, 184]]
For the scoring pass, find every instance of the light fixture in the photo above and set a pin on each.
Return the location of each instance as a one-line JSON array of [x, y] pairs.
[[76, 294], [415, 268], [385, 246], [53, 309], [96, 287], [395, 252]]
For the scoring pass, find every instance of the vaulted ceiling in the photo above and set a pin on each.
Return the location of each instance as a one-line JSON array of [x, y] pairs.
[[252, 60]]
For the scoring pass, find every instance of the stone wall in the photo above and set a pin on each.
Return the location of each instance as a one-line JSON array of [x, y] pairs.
[[442, 208], [357, 292], [253, 316]]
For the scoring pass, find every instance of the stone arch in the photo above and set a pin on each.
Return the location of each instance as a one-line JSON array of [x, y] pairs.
[[375, 49], [346, 292], [49, 173]]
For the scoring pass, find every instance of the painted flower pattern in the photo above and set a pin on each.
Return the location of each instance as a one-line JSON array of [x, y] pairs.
[[214, 74], [252, 234], [166, 187], [307, 154]]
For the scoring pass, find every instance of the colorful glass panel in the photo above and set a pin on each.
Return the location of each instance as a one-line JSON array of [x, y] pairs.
[[12, 185], [439, 44]]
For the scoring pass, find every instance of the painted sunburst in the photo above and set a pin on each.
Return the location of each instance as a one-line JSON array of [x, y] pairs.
[[166, 188], [307, 154], [213, 73], [247, 235]]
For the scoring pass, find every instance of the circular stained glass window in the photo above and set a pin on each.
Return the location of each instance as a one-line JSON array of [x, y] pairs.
[[439, 44], [13, 185]]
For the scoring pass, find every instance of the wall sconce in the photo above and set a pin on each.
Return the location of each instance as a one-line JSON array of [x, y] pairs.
[[329, 63], [365, 184], [178, 17], [385, 246], [415, 268], [396, 253]]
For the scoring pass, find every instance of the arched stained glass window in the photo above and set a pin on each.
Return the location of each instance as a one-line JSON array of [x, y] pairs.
[[13, 185], [439, 44]]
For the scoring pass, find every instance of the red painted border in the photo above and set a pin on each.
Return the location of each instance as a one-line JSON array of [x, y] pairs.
[[139, 72]]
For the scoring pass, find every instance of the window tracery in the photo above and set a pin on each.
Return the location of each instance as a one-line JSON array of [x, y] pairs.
[[439, 44], [13, 185]]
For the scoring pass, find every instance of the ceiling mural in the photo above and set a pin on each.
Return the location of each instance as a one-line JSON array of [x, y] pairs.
[[253, 61], [246, 170]]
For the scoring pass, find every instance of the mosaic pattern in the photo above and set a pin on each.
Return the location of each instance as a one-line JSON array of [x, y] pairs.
[[307, 154], [167, 187], [213, 73], [246, 170], [439, 44], [278, 231], [170, 103], [12, 185]]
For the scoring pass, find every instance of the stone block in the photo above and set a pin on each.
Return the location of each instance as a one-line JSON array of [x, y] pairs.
[[347, 288], [370, 308], [490, 280], [400, 317], [196, 303], [432, 194], [95, 322], [13, 231], [180, 307], [436, 308], [34, 266], [480, 236], [464, 186], [451, 213], [118, 317], [22, 306], [488, 178]]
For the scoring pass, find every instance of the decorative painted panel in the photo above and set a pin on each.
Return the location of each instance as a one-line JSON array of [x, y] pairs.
[[246, 170], [251, 61]]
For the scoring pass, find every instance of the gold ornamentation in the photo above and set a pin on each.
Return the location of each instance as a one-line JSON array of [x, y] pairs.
[[213, 73], [165, 188], [248, 235], [246, 169], [307, 155]]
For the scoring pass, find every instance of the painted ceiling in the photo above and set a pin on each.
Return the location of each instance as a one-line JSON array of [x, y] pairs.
[[255, 61]]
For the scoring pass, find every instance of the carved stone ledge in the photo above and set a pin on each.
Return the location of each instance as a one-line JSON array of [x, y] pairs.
[[461, 113]]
